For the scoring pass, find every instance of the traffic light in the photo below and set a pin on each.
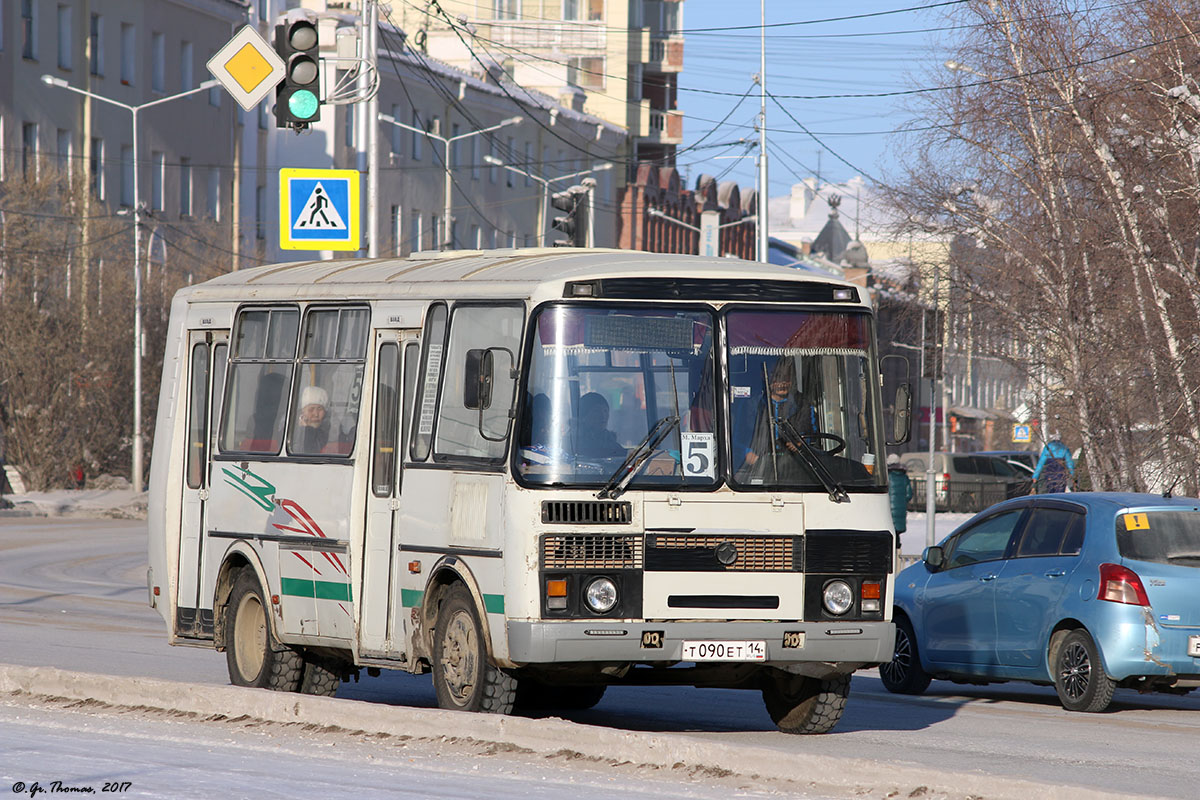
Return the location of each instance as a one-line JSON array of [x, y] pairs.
[[573, 221], [298, 96]]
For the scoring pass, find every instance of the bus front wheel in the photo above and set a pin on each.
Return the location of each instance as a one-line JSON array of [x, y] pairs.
[[463, 679], [253, 655], [799, 704]]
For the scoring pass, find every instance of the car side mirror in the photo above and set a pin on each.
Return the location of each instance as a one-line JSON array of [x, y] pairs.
[[933, 557], [477, 385]]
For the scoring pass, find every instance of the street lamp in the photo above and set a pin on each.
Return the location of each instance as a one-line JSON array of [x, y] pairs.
[[446, 142], [138, 445], [545, 184]]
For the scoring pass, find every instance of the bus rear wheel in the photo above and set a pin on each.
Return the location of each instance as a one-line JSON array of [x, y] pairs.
[[463, 678], [253, 654], [799, 704]]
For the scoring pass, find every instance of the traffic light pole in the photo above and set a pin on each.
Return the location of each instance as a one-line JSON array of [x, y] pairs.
[[448, 209]]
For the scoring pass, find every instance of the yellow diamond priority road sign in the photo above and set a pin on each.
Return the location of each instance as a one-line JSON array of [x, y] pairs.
[[248, 67]]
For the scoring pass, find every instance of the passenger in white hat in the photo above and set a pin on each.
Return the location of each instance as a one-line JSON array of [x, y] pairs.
[[312, 433]]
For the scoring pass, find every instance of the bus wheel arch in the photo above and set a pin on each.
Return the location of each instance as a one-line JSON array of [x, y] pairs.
[[236, 559], [465, 677], [446, 573]]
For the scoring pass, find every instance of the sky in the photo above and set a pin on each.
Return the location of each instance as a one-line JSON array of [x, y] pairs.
[[882, 53]]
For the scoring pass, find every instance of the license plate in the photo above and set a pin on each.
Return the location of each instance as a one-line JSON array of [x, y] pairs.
[[1194, 646], [724, 651]]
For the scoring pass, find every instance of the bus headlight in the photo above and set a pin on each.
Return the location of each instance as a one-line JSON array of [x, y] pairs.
[[838, 597], [601, 595]]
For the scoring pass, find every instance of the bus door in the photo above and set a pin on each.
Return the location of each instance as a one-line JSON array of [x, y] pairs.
[[383, 627], [207, 354]]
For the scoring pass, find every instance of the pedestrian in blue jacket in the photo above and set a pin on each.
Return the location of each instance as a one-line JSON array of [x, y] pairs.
[[1055, 467]]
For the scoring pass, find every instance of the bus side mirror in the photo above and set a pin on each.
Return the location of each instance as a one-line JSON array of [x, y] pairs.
[[902, 415], [477, 385]]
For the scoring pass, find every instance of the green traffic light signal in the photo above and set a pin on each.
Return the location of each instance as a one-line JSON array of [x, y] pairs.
[[303, 104]]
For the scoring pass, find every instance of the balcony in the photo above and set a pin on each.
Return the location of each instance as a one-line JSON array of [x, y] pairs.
[[665, 127], [666, 54], [563, 35]]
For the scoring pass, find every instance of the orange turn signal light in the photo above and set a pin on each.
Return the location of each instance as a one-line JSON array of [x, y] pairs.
[[870, 590], [556, 588]]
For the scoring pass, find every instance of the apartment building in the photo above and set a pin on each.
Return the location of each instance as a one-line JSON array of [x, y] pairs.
[[131, 52], [617, 59]]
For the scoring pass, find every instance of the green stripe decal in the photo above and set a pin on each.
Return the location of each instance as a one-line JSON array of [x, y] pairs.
[[492, 603], [320, 590]]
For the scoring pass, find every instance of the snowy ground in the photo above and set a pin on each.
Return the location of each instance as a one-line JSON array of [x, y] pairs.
[[110, 503]]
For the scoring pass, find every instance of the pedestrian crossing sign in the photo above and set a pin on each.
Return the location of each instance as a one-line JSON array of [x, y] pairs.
[[318, 209], [1021, 433]]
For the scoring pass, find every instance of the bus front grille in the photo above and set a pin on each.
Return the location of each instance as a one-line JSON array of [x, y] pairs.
[[707, 553], [586, 512], [848, 552], [591, 551]]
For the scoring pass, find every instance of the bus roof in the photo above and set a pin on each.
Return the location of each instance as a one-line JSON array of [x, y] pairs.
[[508, 273]]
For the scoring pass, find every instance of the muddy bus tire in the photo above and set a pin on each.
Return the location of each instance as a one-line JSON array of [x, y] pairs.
[[463, 678], [320, 677], [253, 654], [798, 704]]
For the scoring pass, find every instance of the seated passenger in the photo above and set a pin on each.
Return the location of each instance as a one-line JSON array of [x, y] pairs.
[[312, 431], [592, 438]]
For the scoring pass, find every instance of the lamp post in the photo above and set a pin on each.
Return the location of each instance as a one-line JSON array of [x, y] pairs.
[[446, 142], [138, 445], [545, 184]]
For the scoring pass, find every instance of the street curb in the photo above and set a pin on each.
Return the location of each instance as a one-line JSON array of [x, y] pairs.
[[546, 737]]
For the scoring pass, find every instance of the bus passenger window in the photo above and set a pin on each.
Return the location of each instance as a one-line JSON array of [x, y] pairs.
[[324, 419], [256, 401]]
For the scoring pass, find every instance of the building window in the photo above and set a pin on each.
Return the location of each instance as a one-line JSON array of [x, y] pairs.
[[29, 29], [128, 53], [348, 125], [96, 45], [414, 233], [580, 10], [508, 173], [416, 137], [506, 9], [475, 158], [64, 151], [529, 163], [476, 237], [260, 212], [158, 169], [397, 134], [29, 149], [64, 37], [185, 67], [96, 168], [127, 176], [214, 194], [395, 227], [214, 94], [185, 187], [493, 170], [586, 72], [435, 232], [158, 62], [455, 147]]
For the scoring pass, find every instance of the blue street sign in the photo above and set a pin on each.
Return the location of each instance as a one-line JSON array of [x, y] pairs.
[[319, 209]]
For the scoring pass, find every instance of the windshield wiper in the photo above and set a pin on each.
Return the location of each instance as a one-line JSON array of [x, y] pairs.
[[615, 486], [837, 492]]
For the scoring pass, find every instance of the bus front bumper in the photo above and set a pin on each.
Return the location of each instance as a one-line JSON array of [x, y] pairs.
[[534, 642]]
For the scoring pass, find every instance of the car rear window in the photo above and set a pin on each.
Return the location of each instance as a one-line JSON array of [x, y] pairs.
[[966, 465], [1164, 537]]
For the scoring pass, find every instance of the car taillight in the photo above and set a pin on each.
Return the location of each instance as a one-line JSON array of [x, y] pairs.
[[1121, 585]]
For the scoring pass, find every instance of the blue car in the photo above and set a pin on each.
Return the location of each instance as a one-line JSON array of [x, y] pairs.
[[1085, 591]]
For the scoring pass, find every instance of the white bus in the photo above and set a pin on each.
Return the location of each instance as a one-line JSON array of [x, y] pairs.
[[532, 473]]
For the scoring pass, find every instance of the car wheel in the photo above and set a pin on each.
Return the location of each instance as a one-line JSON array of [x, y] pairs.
[[1079, 676], [463, 679], [252, 653], [904, 673], [799, 704]]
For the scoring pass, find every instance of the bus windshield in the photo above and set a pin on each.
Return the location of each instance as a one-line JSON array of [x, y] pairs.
[[802, 397], [604, 380]]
